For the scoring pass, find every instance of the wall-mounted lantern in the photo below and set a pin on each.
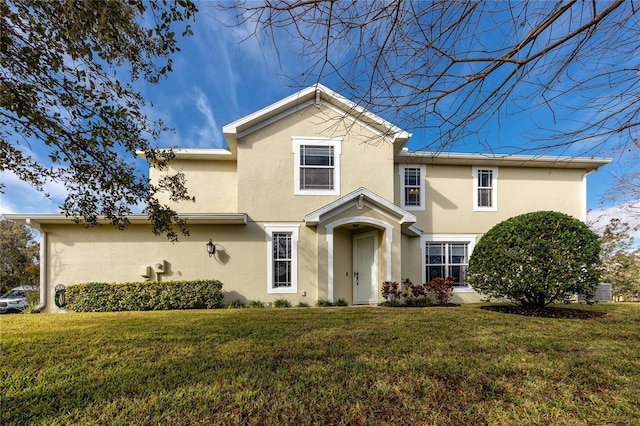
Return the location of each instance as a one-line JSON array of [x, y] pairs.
[[211, 248]]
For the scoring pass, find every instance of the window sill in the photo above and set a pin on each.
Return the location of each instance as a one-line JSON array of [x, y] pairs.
[[463, 290], [282, 291], [317, 192]]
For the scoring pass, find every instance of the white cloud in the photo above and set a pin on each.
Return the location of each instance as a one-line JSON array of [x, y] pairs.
[[208, 133], [20, 197], [627, 212]]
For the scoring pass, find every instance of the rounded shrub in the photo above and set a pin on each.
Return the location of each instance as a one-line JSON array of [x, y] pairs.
[[535, 259]]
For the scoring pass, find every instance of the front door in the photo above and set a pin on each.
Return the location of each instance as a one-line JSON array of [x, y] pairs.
[[365, 268]]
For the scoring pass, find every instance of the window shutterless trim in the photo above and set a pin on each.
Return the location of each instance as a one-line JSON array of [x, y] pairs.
[[469, 239], [492, 187], [294, 231], [420, 185], [334, 164]]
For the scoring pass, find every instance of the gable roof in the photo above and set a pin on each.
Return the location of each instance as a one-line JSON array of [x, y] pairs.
[[313, 95], [363, 197]]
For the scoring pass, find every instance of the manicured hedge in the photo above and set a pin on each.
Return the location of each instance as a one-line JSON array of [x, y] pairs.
[[536, 259], [144, 296]]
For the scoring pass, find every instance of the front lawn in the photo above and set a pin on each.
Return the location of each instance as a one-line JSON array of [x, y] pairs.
[[445, 366]]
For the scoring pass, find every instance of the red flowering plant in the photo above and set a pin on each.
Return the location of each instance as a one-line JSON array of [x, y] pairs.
[[442, 287], [390, 291], [404, 294]]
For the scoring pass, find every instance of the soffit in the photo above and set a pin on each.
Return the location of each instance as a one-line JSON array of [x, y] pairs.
[[36, 219], [496, 160]]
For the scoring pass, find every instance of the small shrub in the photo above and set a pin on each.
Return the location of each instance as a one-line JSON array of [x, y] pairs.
[[535, 259], [302, 305], [237, 304], [281, 303], [33, 298], [340, 302], [323, 303], [442, 288], [255, 304], [391, 303], [418, 302], [390, 290], [409, 294]]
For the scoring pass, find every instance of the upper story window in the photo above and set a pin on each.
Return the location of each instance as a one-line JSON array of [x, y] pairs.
[[485, 188], [316, 166], [412, 181], [282, 258]]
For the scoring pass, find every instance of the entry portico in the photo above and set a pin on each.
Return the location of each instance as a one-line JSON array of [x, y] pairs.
[[359, 245]]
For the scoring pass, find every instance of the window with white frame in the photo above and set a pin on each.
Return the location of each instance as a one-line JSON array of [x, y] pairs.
[[282, 258], [485, 191], [316, 166], [412, 182], [447, 256]]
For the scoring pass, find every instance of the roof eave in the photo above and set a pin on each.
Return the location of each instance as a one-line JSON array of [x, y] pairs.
[[37, 219], [512, 160]]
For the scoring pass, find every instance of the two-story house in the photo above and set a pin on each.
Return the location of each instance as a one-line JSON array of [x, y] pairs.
[[316, 198]]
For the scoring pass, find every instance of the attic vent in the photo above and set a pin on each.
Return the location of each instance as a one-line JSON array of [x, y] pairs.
[[317, 101]]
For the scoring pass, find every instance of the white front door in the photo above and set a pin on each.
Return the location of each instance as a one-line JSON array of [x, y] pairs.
[[365, 268]]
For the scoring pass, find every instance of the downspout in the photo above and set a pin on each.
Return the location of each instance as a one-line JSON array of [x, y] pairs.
[[43, 266]]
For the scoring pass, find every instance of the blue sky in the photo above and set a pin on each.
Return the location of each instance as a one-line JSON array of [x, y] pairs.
[[218, 78]]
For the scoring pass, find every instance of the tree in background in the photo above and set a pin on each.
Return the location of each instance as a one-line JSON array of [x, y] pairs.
[[535, 259], [19, 253], [570, 68], [66, 74], [620, 264]]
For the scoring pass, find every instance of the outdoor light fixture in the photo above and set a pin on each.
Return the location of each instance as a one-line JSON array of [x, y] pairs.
[[211, 248]]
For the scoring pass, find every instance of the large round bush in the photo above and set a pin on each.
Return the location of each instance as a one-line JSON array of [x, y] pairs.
[[535, 259]]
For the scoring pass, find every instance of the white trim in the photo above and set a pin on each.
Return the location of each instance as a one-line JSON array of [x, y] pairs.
[[294, 229], [336, 143], [266, 122], [309, 96], [470, 239], [356, 219], [375, 270], [584, 195], [370, 199], [496, 160], [494, 189], [421, 183]]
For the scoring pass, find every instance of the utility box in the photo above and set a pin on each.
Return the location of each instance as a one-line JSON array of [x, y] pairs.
[[145, 272]]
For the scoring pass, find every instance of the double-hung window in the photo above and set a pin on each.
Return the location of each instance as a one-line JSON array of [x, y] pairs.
[[447, 256], [485, 188], [282, 258], [412, 179], [316, 166]]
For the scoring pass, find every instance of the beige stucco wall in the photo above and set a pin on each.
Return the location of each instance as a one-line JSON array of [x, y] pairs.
[[214, 184], [449, 197], [266, 164], [103, 254]]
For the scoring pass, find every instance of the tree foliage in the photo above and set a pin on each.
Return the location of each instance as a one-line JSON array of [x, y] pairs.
[[536, 259], [67, 70], [450, 67], [620, 264], [19, 254]]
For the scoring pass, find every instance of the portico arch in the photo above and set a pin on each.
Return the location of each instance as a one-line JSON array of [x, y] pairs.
[[376, 223]]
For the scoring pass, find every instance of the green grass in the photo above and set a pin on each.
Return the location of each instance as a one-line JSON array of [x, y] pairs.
[[445, 366]]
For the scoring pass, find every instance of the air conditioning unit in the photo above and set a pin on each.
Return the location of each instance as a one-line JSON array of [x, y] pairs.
[[603, 294]]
